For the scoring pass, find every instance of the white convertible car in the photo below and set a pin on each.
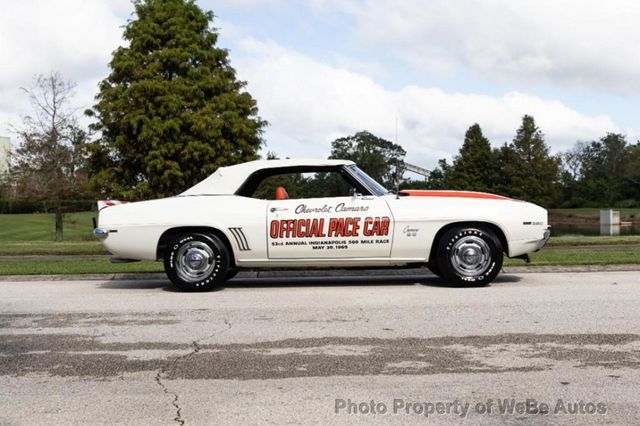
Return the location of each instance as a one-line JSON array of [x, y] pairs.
[[319, 214]]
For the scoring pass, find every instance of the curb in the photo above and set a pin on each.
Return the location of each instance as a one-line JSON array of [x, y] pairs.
[[319, 273], [571, 268]]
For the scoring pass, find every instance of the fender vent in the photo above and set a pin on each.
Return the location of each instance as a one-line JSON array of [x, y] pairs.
[[243, 244]]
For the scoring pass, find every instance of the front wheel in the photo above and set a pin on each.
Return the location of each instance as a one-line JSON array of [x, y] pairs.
[[469, 256], [196, 262]]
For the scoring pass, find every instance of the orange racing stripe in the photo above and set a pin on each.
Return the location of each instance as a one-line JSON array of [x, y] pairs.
[[454, 194]]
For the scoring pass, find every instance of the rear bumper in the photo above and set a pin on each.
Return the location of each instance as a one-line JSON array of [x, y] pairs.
[[101, 233]]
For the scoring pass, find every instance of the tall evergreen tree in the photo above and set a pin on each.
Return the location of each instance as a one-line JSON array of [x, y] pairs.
[[504, 155], [531, 172], [475, 167], [172, 110]]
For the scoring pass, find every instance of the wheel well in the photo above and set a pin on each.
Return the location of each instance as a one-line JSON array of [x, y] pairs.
[[169, 234], [494, 228]]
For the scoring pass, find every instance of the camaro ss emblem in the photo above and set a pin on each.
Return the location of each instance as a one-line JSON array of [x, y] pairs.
[[410, 232]]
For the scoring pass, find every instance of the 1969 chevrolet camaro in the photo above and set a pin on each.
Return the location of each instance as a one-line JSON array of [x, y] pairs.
[[318, 213]]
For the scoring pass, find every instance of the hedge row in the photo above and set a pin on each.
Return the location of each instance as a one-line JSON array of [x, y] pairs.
[[30, 206]]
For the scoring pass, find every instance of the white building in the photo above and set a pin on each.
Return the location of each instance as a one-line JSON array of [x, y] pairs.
[[5, 150]]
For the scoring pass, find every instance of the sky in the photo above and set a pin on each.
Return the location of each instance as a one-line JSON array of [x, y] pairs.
[[416, 71]]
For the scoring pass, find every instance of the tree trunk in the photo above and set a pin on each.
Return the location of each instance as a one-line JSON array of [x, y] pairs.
[[58, 222]]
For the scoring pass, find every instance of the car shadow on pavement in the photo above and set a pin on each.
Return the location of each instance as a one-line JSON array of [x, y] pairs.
[[368, 280], [304, 281], [143, 284]]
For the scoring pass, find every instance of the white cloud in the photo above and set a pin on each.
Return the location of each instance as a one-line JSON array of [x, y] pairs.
[[309, 104], [238, 4], [74, 37], [582, 43]]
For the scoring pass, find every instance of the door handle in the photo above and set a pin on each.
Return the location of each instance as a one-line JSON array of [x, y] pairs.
[[278, 209]]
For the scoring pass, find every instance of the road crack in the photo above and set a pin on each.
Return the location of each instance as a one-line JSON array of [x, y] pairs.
[[178, 418], [163, 371]]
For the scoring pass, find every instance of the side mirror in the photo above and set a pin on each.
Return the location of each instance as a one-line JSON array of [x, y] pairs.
[[354, 193]]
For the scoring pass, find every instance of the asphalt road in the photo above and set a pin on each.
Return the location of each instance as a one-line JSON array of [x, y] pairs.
[[314, 350]]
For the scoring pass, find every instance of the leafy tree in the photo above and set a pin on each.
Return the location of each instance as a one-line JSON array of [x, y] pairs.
[[49, 163], [6, 185], [529, 171], [172, 110], [632, 175], [438, 178], [475, 168], [376, 156], [569, 175], [605, 174]]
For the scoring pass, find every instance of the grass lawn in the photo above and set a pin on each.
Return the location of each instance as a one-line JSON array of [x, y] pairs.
[[581, 256], [595, 212], [560, 256], [593, 240], [73, 266], [17, 248], [41, 227]]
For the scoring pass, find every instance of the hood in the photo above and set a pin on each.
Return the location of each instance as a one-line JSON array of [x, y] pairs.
[[451, 194]]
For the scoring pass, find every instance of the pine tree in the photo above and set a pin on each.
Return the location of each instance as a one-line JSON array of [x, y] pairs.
[[475, 168], [172, 110], [530, 172]]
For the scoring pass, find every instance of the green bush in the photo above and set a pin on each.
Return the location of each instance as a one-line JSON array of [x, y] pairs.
[[628, 204]]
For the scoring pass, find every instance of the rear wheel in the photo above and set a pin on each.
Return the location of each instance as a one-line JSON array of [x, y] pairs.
[[196, 262], [469, 256]]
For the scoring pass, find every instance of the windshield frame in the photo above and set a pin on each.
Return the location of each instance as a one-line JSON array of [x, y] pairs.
[[374, 187]]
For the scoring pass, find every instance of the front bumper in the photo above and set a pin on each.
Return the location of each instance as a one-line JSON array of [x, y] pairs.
[[520, 247], [545, 238]]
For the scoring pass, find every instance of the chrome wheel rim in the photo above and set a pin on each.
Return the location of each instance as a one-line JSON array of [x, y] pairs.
[[470, 256], [195, 261]]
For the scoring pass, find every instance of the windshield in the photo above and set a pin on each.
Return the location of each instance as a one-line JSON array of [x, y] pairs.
[[368, 181]]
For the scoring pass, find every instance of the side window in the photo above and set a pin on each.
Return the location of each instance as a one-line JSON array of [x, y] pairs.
[[304, 185]]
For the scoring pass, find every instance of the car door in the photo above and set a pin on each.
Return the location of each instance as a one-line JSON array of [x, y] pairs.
[[329, 228]]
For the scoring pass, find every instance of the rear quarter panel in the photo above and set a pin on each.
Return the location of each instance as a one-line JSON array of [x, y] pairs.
[[139, 225]]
